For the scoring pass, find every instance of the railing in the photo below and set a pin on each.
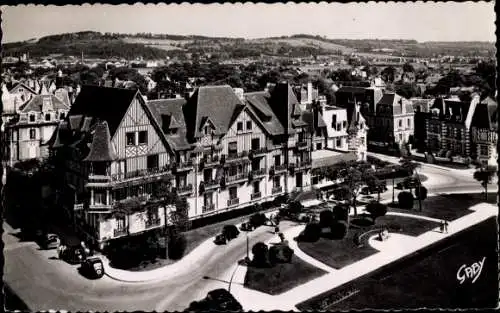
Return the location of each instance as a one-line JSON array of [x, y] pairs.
[[119, 232], [234, 201], [78, 207], [140, 173], [236, 178], [236, 156], [258, 152], [278, 189], [208, 208], [211, 161], [211, 183], [152, 222], [280, 168], [183, 166], [303, 165], [99, 178], [184, 189], [258, 173], [302, 144], [256, 195]]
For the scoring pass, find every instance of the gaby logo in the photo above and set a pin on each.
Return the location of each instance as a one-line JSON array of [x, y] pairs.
[[470, 272]]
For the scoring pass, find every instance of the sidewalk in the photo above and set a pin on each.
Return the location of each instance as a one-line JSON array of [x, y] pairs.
[[393, 249], [179, 268]]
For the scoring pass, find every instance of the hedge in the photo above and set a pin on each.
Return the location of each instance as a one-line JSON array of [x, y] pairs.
[[405, 199]]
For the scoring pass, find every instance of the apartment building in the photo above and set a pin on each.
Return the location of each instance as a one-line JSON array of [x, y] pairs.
[[484, 133], [422, 108], [220, 149]]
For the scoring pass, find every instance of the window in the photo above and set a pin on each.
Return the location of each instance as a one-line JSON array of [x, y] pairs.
[[249, 125], [32, 117], [233, 148], [339, 126], [255, 143], [344, 124], [207, 175], [130, 139], [483, 150], [256, 187], [62, 115], [276, 181], [99, 198], [47, 117], [32, 133], [400, 123], [301, 137], [206, 130], [255, 164], [319, 146], [318, 132], [233, 192], [152, 214], [143, 137], [120, 222], [409, 122], [277, 160], [338, 143], [239, 126], [233, 170], [153, 161]]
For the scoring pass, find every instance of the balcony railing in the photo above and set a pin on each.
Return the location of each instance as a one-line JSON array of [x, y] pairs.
[[301, 145], [258, 173], [152, 222], [183, 166], [211, 161], [209, 184], [234, 201], [278, 189], [256, 195], [231, 157], [140, 173], [258, 152], [183, 190], [99, 178], [303, 165], [236, 178], [207, 208], [280, 168], [119, 232]]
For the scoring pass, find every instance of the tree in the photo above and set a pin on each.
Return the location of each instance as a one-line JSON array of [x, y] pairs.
[[408, 68], [411, 166], [260, 253], [484, 176], [355, 175], [326, 218], [388, 74], [405, 200], [376, 209]]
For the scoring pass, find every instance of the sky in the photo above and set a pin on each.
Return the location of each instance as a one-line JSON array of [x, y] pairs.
[[446, 21]]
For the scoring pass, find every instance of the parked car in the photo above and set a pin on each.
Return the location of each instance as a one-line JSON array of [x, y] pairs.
[[220, 239], [368, 190], [409, 182], [225, 300], [49, 241], [72, 254], [247, 226], [93, 267], [230, 232]]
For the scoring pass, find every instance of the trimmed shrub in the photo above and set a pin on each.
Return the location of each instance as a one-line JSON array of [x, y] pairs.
[[362, 222], [341, 212], [326, 218], [376, 209], [260, 253], [295, 207], [177, 246], [311, 233], [280, 253], [430, 158], [230, 231], [421, 193], [258, 219], [339, 230], [405, 200]]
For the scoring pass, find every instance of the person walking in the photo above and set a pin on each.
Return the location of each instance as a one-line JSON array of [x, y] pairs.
[[446, 226], [441, 226]]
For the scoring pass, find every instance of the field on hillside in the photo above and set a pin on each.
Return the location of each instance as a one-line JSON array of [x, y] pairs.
[[305, 42], [164, 44]]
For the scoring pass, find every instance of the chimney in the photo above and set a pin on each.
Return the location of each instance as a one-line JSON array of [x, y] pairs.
[[309, 92], [239, 93]]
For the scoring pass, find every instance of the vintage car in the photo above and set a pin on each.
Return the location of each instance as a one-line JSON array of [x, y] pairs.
[[409, 182], [72, 254], [93, 267], [247, 226], [230, 231], [220, 239], [49, 241]]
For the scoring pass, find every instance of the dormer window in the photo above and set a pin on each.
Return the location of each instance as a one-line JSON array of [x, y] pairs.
[[62, 115], [239, 126], [47, 117], [206, 130], [249, 125], [32, 118]]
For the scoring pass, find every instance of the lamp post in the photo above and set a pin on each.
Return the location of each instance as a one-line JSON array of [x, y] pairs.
[[393, 171]]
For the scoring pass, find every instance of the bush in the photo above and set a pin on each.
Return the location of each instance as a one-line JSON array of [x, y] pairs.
[[339, 230], [230, 231], [405, 199], [260, 253], [362, 222], [448, 154], [430, 158], [295, 207], [258, 219], [376, 209], [177, 246], [311, 233], [280, 253], [341, 212], [421, 193], [326, 218]]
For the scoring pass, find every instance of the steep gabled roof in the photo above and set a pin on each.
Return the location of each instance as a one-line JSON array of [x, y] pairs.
[[259, 103], [36, 103], [396, 103], [101, 148], [216, 102], [286, 107], [486, 115], [106, 104]]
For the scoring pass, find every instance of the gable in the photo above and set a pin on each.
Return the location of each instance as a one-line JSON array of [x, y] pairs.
[[243, 117]]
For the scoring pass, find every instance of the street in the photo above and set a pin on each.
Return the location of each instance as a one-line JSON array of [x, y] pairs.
[[44, 282]]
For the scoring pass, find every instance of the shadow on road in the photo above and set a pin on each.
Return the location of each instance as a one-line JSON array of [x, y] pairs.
[[13, 302]]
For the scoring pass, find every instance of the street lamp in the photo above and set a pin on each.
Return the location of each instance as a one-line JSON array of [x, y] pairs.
[[393, 173]]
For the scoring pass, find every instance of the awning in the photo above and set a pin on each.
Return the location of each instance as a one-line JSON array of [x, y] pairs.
[[310, 203]]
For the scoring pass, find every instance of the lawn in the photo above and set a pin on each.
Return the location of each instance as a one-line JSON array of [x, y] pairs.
[[426, 278], [281, 277], [341, 253], [448, 207]]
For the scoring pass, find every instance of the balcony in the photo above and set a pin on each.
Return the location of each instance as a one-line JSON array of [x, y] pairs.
[[256, 195], [183, 166], [119, 232], [99, 179], [276, 190], [234, 157], [304, 165], [207, 208], [208, 185], [150, 172], [259, 152], [233, 202], [152, 222], [238, 178], [302, 145], [100, 207], [257, 173], [211, 161], [184, 190]]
